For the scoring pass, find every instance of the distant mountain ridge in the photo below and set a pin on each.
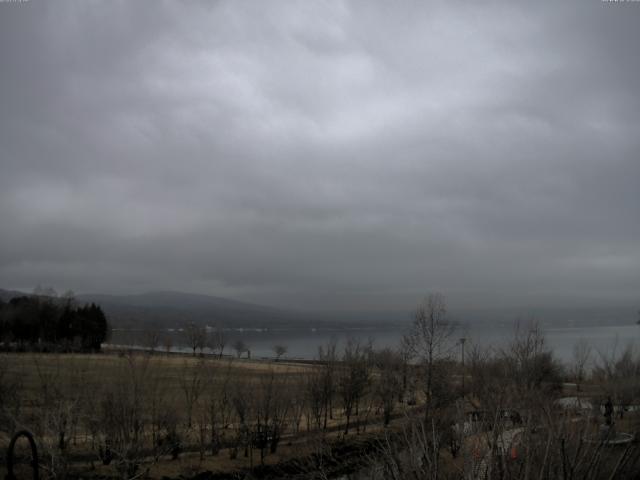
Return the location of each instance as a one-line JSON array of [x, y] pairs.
[[172, 299], [174, 309], [171, 309]]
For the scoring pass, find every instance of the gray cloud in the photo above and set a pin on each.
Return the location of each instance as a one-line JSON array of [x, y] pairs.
[[326, 155]]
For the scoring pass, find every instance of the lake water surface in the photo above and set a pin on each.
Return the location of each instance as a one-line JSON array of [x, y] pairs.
[[303, 342]]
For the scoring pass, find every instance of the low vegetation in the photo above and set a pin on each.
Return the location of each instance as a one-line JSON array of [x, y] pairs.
[[415, 412]]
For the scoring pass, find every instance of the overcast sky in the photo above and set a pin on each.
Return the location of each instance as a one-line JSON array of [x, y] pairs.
[[323, 154]]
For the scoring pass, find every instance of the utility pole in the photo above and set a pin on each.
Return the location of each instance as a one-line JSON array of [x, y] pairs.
[[462, 341]]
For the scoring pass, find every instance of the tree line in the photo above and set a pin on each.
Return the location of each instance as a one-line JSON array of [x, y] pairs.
[[47, 323]]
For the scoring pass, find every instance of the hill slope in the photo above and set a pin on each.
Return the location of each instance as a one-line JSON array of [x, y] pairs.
[[171, 309]]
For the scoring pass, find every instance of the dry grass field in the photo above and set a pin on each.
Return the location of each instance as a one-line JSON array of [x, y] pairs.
[[172, 414], [131, 414]]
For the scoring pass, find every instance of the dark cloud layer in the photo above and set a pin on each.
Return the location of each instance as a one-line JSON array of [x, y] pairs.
[[323, 154]]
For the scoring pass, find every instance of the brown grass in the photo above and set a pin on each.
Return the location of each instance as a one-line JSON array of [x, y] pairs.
[[69, 373]]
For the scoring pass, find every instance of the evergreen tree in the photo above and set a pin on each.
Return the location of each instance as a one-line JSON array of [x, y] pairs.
[[32, 320]]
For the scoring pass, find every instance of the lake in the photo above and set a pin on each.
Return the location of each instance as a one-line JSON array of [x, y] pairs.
[[303, 342]]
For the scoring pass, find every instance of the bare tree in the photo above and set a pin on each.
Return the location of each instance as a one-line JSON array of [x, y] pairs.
[[271, 407], [298, 405], [280, 351], [327, 355], [192, 383], [581, 356], [353, 379], [218, 403], [196, 337], [121, 416], [412, 453], [530, 361], [243, 401], [61, 387], [314, 389], [11, 386], [167, 342], [216, 341], [158, 407], [240, 347], [430, 339], [618, 376], [406, 354], [388, 364], [151, 340]]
